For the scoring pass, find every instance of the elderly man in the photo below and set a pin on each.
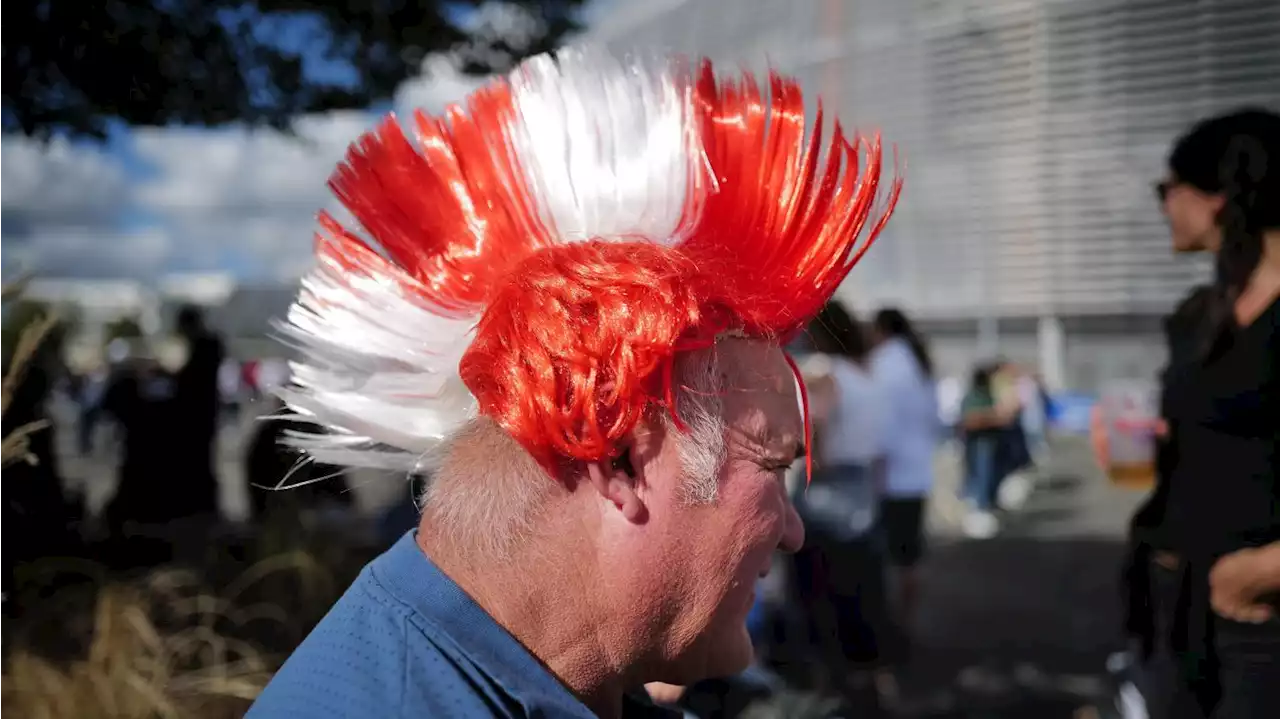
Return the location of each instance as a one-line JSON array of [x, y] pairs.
[[574, 322]]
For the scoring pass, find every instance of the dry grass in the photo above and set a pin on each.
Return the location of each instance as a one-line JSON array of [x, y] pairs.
[[163, 648], [15, 445]]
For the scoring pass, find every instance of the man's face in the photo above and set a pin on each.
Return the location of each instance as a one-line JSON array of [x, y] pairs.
[[716, 551]]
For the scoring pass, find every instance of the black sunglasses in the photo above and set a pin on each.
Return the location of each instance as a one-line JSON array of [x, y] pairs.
[[1164, 187]]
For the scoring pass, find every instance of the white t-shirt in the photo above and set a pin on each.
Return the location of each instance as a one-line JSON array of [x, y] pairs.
[[853, 434], [911, 426], [950, 396], [229, 379], [273, 373], [1033, 414]]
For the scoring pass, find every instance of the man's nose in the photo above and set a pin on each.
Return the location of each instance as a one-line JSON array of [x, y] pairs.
[[792, 530]]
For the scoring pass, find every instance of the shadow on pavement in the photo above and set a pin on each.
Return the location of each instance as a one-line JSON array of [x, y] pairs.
[[1058, 483], [1016, 626]]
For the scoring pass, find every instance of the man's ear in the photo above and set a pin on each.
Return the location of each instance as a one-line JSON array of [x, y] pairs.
[[618, 482]]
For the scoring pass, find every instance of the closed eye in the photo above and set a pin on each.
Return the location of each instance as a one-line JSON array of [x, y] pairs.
[[778, 466]]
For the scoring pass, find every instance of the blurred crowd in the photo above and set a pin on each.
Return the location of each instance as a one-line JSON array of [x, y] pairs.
[[156, 417], [842, 623], [845, 615]]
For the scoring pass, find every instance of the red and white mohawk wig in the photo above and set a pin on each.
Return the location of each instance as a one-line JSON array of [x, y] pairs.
[[542, 256]]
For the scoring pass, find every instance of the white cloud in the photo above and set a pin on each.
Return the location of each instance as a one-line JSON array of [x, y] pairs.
[[244, 171], [244, 200], [101, 251], [234, 198], [59, 182], [61, 202], [262, 246], [247, 199], [441, 84]]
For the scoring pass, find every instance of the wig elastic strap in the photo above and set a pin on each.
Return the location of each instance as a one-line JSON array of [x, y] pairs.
[[808, 426]]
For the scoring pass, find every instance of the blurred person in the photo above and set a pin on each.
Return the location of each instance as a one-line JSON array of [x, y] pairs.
[[272, 373], [249, 378], [610, 420], [403, 514], [196, 405], [164, 402], [1034, 400], [982, 421], [1154, 670], [40, 518], [118, 351], [666, 694], [149, 483], [231, 389], [746, 693], [1245, 584], [902, 368], [95, 414], [281, 480], [950, 394], [1011, 485], [1217, 497], [93, 388], [840, 571]]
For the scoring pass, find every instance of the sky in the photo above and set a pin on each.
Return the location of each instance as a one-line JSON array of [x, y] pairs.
[[154, 201]]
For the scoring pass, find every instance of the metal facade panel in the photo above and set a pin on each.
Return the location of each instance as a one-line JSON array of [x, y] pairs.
[[1032, 131]]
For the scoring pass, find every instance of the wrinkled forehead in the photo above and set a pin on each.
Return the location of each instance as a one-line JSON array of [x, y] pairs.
[[761, 400]]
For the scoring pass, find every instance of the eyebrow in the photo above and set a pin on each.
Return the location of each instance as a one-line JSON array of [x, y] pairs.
[[772, 446]]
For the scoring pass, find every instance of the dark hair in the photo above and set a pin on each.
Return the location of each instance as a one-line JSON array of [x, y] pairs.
[[1238, 156], [835, 331], [981, 378], [190, 318], [891, 322]]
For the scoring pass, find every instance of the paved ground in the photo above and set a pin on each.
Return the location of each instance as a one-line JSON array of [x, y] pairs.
[[1021, 625]]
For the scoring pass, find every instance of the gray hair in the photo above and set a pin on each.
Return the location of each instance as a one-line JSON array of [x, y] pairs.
[[488, 493], [700, 389]]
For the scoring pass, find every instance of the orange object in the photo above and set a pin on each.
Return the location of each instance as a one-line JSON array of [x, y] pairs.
[[1123, 430]]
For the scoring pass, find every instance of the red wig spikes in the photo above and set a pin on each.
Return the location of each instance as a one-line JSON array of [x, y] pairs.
[[565, 358], [508, 217], [781, 234], [450, 208]]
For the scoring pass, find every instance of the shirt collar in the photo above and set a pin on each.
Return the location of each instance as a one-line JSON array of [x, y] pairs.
[[455, 618]]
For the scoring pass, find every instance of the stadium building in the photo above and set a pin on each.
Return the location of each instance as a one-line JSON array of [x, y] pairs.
[[1031, 133]]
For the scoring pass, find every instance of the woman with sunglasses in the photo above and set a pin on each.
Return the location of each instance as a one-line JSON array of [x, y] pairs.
[[1204, 568]]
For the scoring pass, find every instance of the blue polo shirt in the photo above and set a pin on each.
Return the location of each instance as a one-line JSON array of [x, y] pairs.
[[406, 641]]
